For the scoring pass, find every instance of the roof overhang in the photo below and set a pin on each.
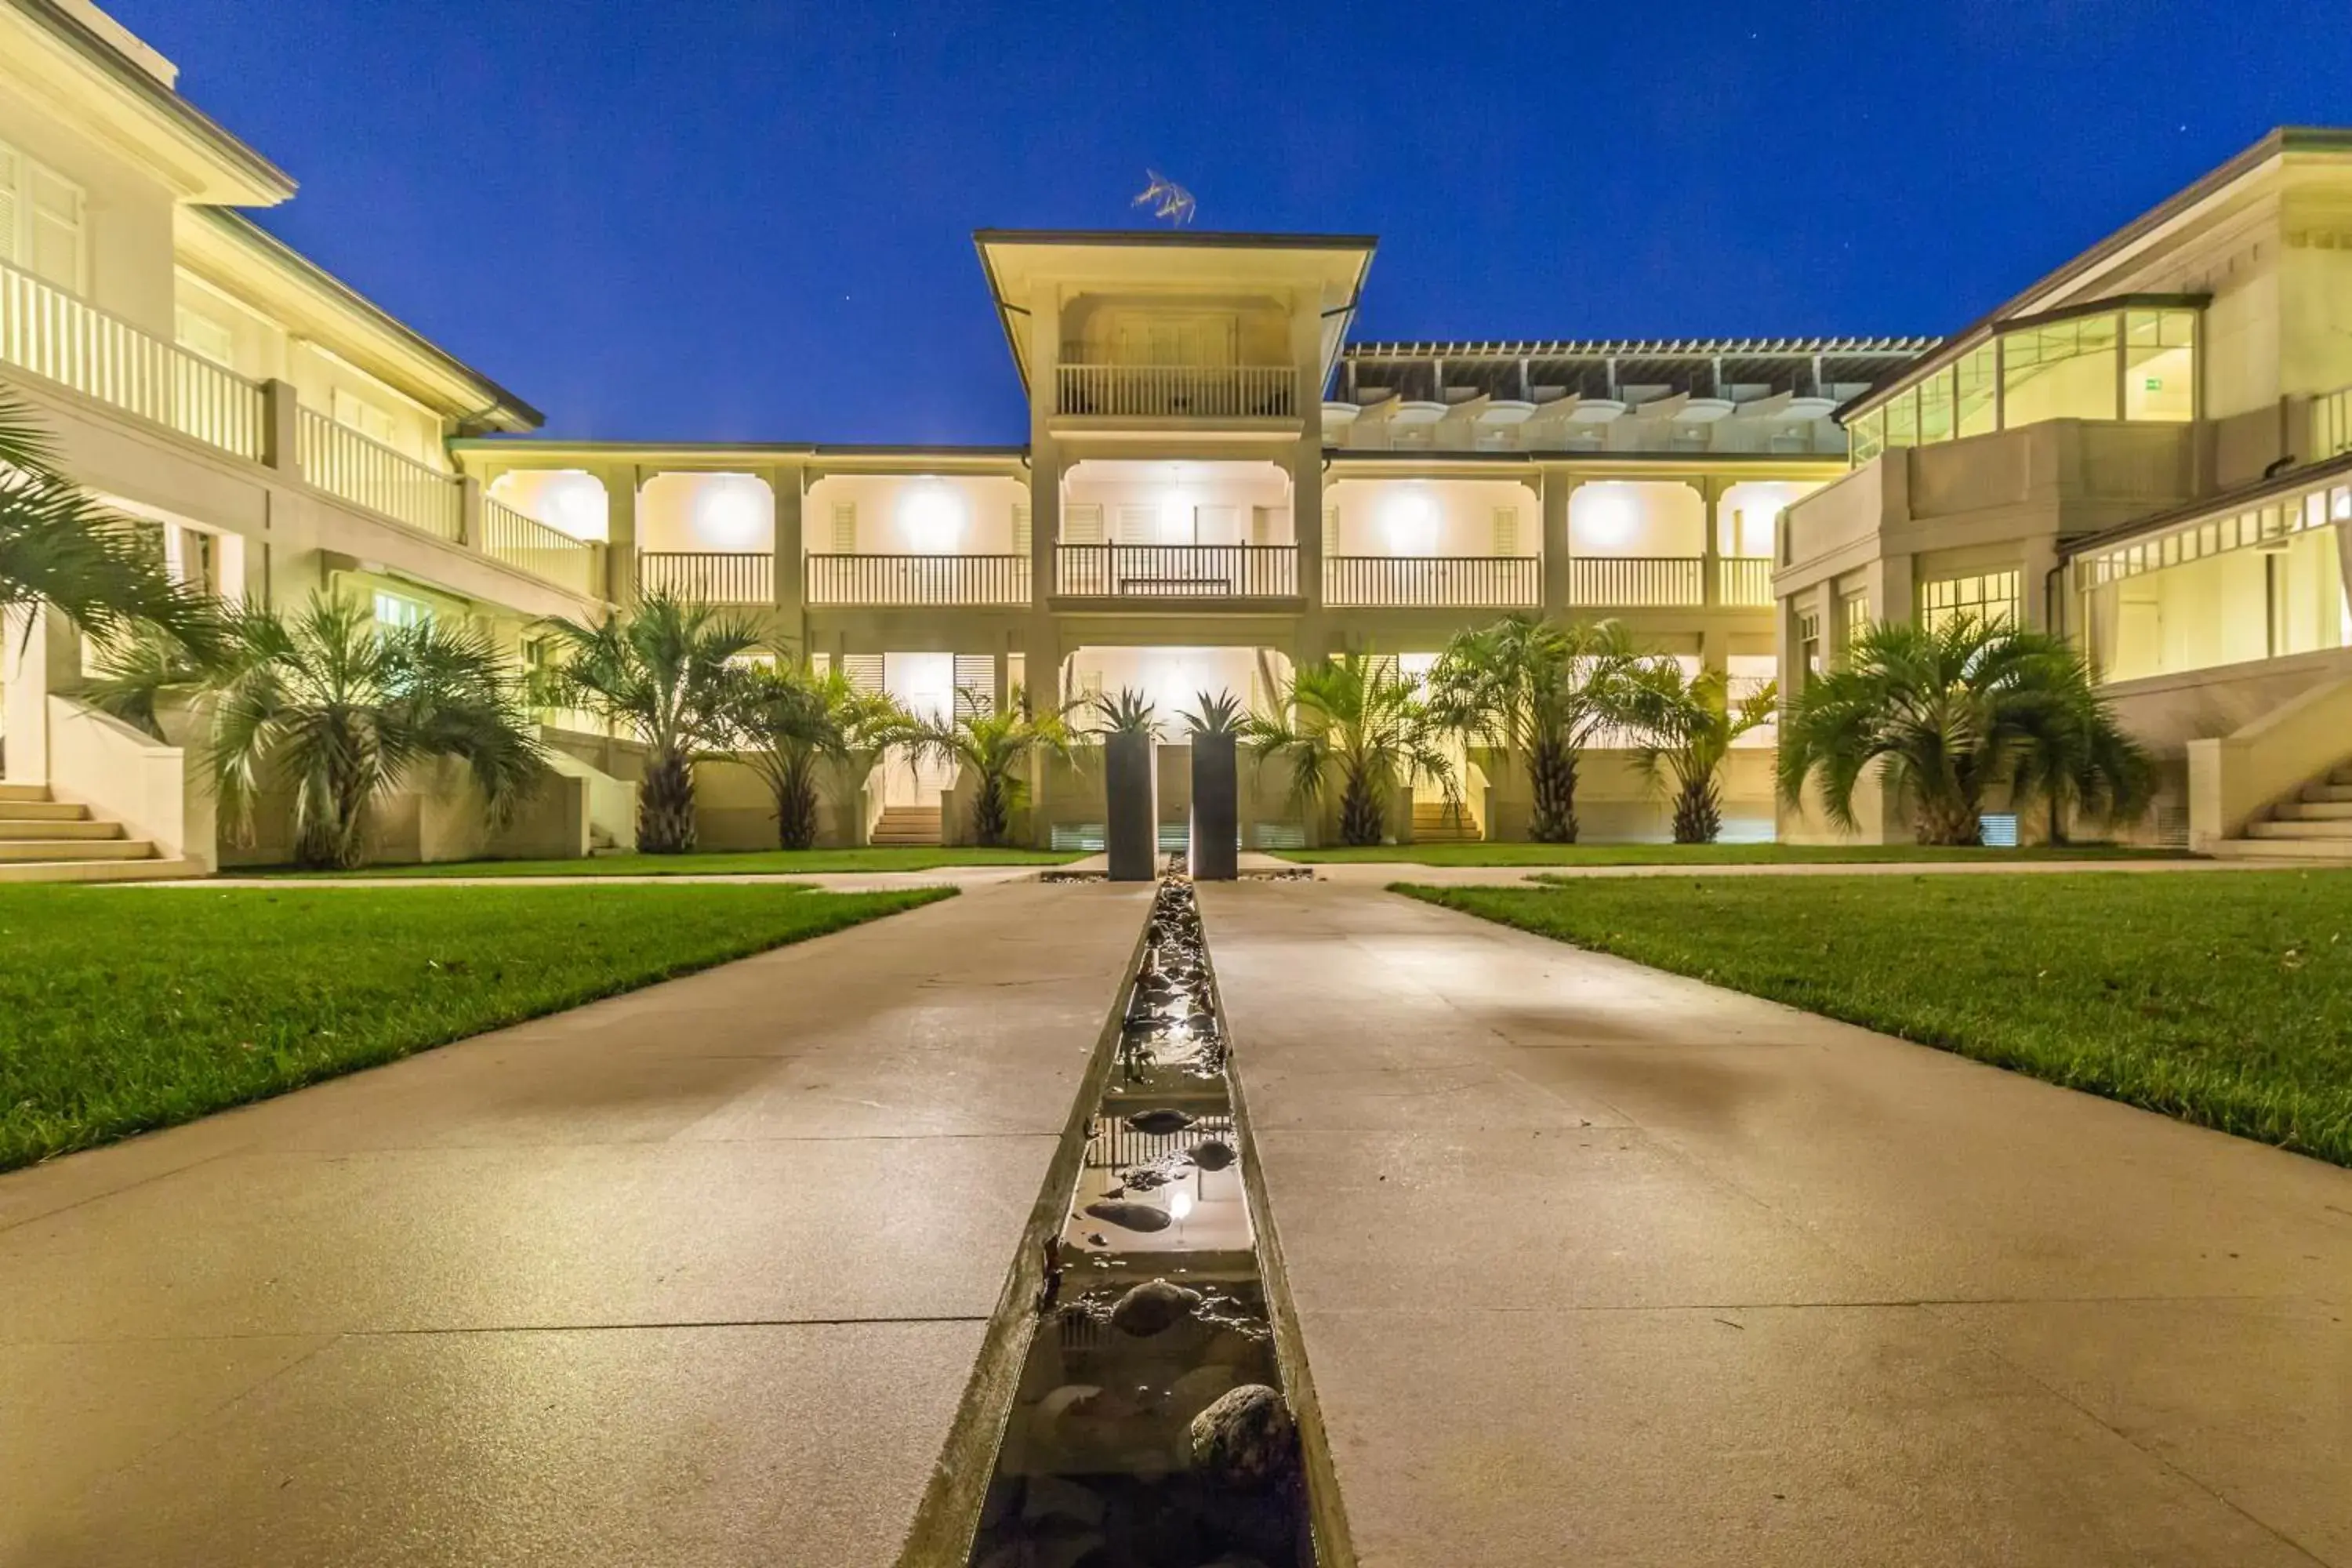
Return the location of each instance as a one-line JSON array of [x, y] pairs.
[[1025, 267], [230, 250], [57, 57]]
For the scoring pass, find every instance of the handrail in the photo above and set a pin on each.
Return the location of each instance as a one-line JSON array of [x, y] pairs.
[[1177, 570], [866, 579], [365, 472], [545, 552], [709, 576], [1177, 391], [48, 333], [1745, 581], [1637, 582], [1441, 582]]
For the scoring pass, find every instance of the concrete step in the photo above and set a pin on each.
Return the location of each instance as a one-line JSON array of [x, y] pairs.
[[24, 792], [904, 826], [2316, 811], [57, 827], [2337, 851], [2320, 792], [2340, 831], [20, 851], [99, 871], [41, 811]]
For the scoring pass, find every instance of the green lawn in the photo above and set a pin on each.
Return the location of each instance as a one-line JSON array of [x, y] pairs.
[[2225, 999], [722, 863], [123, 1009], [1699, 854]]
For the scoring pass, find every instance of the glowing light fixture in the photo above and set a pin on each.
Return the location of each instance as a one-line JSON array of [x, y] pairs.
[[573, 503], [727, 512], [931, 516], [1411, 520], [1608, 519]]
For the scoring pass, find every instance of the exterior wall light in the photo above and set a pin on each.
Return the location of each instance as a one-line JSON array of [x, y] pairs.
[[931, 516]]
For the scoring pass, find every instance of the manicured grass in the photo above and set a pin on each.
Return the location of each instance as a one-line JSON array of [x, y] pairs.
[[123, 1009], [1702, 854], [723, 863], [2222, 998]]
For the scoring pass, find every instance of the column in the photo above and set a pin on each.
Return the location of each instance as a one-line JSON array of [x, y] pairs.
[[784, 483], [1558, 485], [1710, 497], [281, 426], [1306, 454], [620, 482]]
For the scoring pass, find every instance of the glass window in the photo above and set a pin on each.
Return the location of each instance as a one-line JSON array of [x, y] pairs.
[[398, 610], [1977, 406], [1936, 407], [2066, 370], [1903, 418], [1989, 596], [1867, 437], [2159, 365]]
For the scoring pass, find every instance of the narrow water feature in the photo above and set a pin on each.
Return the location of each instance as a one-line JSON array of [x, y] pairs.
[[1149, 1426]]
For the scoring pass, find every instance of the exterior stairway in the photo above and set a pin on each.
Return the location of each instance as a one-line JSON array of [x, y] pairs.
[[2317, 826], [44, 840], [1434, 822], [907, 825]]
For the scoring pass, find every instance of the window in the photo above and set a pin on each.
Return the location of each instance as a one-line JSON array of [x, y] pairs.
[[2159, 365], [1989, 596], [1808, 642], [2066, 370], [201, 334], [354, 412], [1976, 400], [1853, 615], [1867, 437], [398, 611], [40, 221]]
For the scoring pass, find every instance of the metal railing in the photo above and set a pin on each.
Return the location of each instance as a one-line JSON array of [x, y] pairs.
[[1637, 582], [709, 576], [918, 579], [347, 465], [1180, 391], [1745, 581], [1177, 570], [48, 333], [547, 553], [1440, 582]]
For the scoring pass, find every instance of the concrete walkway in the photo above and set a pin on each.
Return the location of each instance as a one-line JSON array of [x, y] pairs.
[[1598, 1265], [1382, 874], [692, 1276]]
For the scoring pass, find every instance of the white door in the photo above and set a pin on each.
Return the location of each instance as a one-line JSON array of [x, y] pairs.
[[924, 683]]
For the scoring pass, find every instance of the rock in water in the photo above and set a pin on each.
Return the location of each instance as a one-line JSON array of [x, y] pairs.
[[1212, 1153], [1159, 1124], [1246, 1440], [1152, 1308], [1130, 1216]]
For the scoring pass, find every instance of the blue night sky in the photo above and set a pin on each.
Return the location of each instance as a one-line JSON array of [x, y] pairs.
[[751, 222]]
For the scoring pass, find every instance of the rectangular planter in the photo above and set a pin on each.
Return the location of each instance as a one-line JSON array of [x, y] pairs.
[[1216, 809], [1131, 824]]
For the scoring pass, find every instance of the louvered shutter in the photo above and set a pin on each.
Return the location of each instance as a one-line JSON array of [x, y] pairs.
[[864, 670], [1021, 531], [975, 682], [54, 252], [1083, 525], [1506, 531], [844, 533], [1137, 524], [1330, 531]]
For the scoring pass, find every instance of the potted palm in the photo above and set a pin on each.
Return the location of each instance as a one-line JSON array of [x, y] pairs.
[[993, 746], [1215, 725], [1945, 715], [663, 673], [1352, 725], [1687, 724], [1128, 728]]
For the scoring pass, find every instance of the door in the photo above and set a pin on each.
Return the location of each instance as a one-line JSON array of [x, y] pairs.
[[924, 684]]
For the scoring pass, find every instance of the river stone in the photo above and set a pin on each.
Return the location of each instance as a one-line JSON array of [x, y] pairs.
[[1212, 1153], [1246, 1440], [1152, 1308], [1130, 1216], [1161, 1123], [1050, 1497]]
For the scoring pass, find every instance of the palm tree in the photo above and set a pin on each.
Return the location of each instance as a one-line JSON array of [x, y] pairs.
[[1544, 690], [1949, 713], [789, 724], [1687, 723], [1355, 721], [993, 744], [60, 548], [340, 710], [665, 673]]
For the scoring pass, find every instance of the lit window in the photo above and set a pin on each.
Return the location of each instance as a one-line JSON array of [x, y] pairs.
[[40, 221], [398, 611], [1987, 596]]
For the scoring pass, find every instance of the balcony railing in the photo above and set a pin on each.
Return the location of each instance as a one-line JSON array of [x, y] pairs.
[[1637, 582], [709, 576], [547, 553], [47, 332], [1745, 581], [344, 463], [1177, 570], [1180, 391], [2331, 424], [1443, 582], [918, 579]]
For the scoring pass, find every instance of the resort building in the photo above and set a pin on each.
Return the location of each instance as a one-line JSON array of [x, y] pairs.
[[1216, 484]]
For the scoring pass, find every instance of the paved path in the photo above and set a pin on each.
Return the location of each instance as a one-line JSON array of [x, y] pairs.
[[692, 1276], [1598, 1265]]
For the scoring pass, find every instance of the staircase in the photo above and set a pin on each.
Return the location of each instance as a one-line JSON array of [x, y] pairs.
[[44, 840], [905, 825], [2316, 826], [1436, 822]]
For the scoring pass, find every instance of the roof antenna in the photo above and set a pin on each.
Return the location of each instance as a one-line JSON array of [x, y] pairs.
[[1168, 199]]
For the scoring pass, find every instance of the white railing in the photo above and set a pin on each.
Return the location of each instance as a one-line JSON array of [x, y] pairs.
[[1637, 582], [2331, 424], [709, 576], [918, 579], [1180, 391], [47, 332], [547, 553], [1177, 570], [1439, 581], [1745, 581], [347, 464]]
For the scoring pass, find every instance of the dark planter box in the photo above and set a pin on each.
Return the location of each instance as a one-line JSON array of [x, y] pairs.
[[1131, 825], [1216, 809]]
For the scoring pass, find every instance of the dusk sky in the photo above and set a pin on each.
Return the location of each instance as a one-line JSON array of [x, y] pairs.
[[749, 221]]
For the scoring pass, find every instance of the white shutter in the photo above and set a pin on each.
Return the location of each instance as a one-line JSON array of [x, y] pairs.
[[845, 529], [1021, 533], [1330, 531], [1137, 524], [1082, 525], [12, 179], [54, 242], [864, 670], [975, 682], [1506, 531]]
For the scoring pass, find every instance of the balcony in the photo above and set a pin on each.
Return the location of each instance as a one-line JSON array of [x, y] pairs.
[[917, 579], [1438, 582], [1177, 570], [530, 545], [709, 576], [1744, 581], [1637, 582], [1246, 392]]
